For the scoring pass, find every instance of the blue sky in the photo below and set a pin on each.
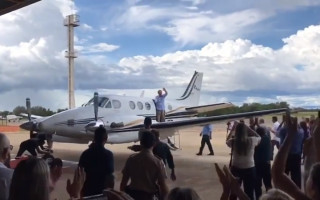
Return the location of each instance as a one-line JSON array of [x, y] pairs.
[[249, 50]]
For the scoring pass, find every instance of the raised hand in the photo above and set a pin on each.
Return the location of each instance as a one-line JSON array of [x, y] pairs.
[[75, 187]]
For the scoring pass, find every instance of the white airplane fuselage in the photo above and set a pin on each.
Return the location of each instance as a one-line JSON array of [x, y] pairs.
[[122, 116], [126, 110]]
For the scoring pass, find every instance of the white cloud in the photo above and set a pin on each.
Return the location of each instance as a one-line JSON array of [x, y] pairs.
[[104, 28], [241, 65], [98, 48], [87, 27], [195, 2], [191, 26]]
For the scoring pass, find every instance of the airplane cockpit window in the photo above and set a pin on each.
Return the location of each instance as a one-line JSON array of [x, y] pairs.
[[108, 105], [102, 101], [116, 104], [132, 105], [148, 106], [140, 105]]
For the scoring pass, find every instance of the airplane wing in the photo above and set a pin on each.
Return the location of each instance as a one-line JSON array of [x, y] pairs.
[[183, 112], [199, 121], [32, 116], [208, 108]]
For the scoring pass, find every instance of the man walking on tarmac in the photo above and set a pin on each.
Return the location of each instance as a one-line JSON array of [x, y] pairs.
[[206, 134]]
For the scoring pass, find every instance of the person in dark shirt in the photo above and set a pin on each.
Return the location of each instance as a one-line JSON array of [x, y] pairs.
[[98, 164], [162, 150], [32, 146], [294, 158], [262, 162]]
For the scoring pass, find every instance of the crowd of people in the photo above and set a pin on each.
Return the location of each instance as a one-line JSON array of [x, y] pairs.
[[144, 175]]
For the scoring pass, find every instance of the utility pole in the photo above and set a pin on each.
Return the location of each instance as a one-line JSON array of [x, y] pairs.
[[71, 21]]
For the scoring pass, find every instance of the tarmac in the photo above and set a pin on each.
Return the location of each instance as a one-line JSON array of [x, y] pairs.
[[191, 170]]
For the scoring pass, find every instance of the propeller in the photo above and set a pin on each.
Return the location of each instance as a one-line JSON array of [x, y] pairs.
[[28, 125], [96, 123], [96, 105], [28, 106]]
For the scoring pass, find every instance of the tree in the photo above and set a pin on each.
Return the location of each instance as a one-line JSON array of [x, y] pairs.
[[4, 113], [61, 109], [41, 111], [19, 109]]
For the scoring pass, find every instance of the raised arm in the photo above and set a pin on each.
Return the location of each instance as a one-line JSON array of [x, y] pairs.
[[280, 179], [164, 89]]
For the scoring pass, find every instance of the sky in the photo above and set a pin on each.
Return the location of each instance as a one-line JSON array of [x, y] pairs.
[[249, 51]]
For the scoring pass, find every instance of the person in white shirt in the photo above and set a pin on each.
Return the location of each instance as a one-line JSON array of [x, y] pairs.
[[5, 172], [160, 105], [275, 140], [242, 163]]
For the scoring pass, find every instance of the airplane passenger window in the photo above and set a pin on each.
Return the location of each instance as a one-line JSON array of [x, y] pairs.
[[116, 104], [132, 105], [148, 106], [140, 105]]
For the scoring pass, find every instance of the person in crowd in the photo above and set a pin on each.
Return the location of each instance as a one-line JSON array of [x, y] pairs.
[[5, 171], [162, 150], [252, 123], [242, 162], [275, 140], [206, 134], [230, 184], [33, 146], [263, 125], [145, 171], [30, 180], [55, 165], [183, 194], [305, 129], [98, 164], [146, 127], [262, 162], [281, 179], [160, 105], [293, 166]]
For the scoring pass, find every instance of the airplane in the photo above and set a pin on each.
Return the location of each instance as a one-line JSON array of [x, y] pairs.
[[123, 116], [12, 118]]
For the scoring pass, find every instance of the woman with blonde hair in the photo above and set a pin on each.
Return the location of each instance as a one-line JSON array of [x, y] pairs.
[[30, 180]]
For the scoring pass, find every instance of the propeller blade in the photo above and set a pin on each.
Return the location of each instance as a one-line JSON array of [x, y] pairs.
[[28, 105], [96, 105]]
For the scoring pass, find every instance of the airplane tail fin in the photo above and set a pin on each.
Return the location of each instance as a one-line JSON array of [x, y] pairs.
[[191, 95]]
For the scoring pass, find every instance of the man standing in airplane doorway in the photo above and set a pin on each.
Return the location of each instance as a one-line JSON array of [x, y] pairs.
[[206, 134], [160, 105]]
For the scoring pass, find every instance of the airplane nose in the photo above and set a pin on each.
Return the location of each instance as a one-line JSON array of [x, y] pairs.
[[26, 126]]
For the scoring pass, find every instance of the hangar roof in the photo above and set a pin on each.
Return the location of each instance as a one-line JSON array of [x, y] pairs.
[[7, 6]]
